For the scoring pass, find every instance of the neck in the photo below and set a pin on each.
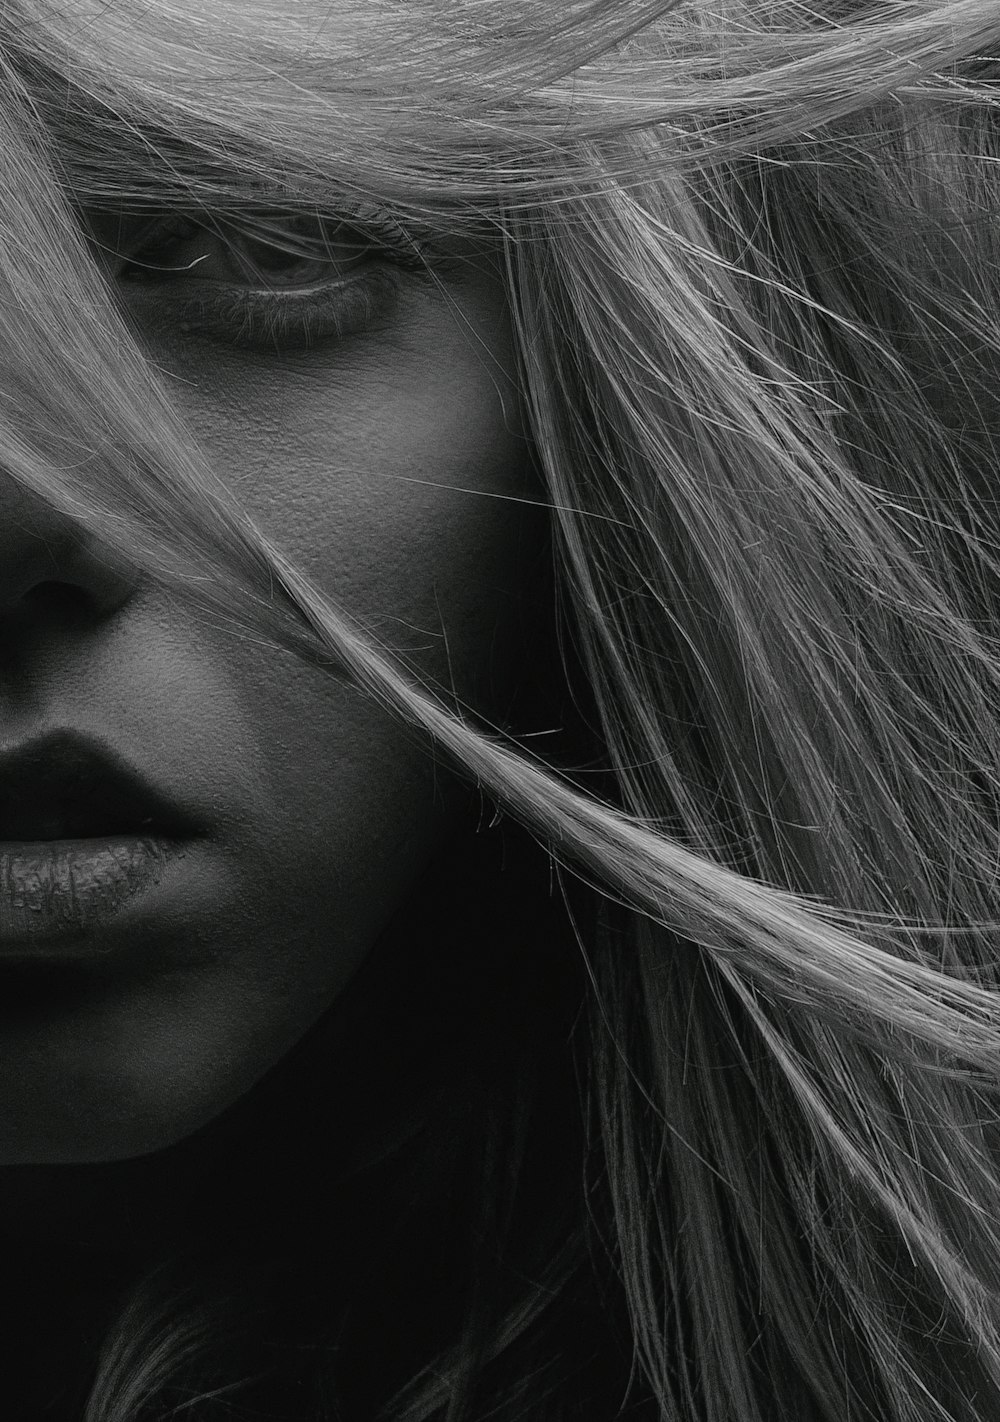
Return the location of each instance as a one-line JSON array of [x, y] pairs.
[[277, 1174]]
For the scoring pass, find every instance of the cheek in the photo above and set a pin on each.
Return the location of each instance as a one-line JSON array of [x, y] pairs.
[[416, 517], [401, 482]]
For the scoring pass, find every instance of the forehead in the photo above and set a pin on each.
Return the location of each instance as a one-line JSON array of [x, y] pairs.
[[407, 102]]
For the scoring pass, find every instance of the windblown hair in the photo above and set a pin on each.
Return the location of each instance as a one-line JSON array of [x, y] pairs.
[[754, 273]]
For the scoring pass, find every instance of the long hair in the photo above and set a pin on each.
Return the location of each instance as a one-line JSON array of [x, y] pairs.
[[752, 261]]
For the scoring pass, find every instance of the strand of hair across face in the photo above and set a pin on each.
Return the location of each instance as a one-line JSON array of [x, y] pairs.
[[793, 1086]]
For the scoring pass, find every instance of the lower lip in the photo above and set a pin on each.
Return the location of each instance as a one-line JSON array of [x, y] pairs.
[[58, 889]]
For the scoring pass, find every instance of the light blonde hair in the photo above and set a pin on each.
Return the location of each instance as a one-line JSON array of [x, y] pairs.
[[752, 261]]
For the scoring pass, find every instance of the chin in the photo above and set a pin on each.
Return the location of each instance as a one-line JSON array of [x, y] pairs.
[[96, 1137]]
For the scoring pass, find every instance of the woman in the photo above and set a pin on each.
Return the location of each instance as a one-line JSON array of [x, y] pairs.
[[498, 733]]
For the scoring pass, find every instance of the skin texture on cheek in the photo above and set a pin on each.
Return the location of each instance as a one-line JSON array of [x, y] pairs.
[[392, 469]]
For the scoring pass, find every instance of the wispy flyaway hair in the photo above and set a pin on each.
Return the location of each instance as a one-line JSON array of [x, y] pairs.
[[752, 255]]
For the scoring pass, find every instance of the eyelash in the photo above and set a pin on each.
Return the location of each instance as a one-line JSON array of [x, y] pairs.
[[279, 320]]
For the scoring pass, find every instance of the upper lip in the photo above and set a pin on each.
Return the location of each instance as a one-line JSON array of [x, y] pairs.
[[65, 786]]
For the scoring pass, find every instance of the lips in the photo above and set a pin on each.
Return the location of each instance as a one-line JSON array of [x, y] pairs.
[[64, 786]]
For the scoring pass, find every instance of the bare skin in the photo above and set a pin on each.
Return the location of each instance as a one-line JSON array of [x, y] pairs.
[[392, 467]]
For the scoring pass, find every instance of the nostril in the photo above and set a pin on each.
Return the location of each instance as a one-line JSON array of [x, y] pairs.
[[62, 598], [51, 592]]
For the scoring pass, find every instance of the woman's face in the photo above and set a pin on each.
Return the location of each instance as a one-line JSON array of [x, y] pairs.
[[388, 462]]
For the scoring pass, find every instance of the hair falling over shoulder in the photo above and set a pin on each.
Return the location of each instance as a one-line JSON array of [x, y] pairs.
[[754, 271]]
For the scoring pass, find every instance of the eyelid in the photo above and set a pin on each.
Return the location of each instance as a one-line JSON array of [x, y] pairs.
[[376, 230], [286, 322], [279, 318]]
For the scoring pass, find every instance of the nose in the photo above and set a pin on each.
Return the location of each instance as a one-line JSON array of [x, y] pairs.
[[45, 557]]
